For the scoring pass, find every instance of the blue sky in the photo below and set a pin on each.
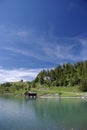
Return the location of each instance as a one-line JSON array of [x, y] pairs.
[[38, 34]]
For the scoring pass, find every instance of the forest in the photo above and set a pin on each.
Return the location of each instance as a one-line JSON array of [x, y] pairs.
[[65, 75]]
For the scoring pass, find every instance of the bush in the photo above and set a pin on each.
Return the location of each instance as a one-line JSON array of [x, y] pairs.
[[83, 85]]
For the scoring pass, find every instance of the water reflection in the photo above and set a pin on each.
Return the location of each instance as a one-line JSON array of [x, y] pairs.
[[20, 113], [69, 113]]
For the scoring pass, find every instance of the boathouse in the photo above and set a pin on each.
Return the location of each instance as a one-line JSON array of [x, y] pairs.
[[31, 94]]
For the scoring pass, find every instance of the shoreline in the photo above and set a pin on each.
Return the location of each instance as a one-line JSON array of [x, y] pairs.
[[62, 97], [46, 96]]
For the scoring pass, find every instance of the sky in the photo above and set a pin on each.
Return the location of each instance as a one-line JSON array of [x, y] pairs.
[[40, 34]]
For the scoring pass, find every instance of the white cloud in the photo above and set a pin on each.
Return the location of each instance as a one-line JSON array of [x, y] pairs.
[[18, 74], [84, 49], [61, 51], [83, 42]]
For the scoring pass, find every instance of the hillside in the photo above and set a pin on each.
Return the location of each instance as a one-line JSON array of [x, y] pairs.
[[64, 75]]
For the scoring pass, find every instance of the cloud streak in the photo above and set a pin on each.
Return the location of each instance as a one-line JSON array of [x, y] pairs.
[[43, 47]]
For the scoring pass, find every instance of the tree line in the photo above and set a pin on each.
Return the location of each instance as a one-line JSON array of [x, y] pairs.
[[65, 75]]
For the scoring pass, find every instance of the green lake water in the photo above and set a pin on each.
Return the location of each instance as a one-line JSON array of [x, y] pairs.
[[19, 113]]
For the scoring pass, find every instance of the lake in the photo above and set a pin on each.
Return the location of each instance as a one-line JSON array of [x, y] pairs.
[[20, 113]]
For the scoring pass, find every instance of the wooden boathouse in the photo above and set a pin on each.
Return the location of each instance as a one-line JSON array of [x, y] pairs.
[[31, 94]]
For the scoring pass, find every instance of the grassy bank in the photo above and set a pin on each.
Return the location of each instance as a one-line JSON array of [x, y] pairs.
[[59, 91], [52, 91]]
